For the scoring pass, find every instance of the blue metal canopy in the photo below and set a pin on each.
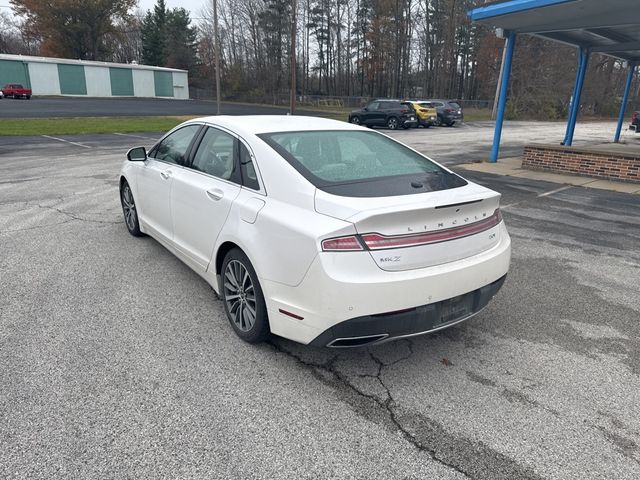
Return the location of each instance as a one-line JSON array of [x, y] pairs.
[[609, 27]]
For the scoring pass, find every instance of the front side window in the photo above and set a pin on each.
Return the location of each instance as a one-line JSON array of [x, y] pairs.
[[173, 148], [215, 154], [356, 163], [373, 106]]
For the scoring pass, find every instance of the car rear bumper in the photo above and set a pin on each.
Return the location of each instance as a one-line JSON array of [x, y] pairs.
[[407, 122], [429, 120], [349, 286], [420, 320]]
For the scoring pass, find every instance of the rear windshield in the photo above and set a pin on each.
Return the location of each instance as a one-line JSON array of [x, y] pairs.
[[359, 163], [455, 105]]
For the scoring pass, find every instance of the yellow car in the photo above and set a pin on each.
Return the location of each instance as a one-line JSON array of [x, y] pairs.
[[427, 115]]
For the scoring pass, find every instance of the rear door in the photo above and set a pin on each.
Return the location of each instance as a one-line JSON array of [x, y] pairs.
[[203, 193]]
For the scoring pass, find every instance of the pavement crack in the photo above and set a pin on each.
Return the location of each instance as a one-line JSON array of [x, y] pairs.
[[76, 217], [387, 404], [36, 227]]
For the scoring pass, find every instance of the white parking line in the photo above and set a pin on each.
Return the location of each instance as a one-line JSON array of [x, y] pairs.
[[545, 194], [134, 136], [66, 141]]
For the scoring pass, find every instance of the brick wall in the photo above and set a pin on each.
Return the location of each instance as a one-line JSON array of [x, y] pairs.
[[609, 165]]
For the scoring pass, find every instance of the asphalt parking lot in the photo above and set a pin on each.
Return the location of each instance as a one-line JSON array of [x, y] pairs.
[[44, 107], [117, 360]]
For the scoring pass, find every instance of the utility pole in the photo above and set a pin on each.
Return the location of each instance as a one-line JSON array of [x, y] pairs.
[[294, 33], [216, 54]]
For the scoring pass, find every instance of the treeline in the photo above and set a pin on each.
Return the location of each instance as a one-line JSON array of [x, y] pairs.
[[345, 48]]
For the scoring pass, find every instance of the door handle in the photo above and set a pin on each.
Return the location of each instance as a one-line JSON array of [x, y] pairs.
[[165, 174], [215, 194]]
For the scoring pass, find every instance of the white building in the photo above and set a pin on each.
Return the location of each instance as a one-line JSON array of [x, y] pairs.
[[57, 76]]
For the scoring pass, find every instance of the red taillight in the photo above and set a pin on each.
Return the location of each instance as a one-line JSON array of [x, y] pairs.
[[342, 244], [376, 241], [423, 110], [451, 110]]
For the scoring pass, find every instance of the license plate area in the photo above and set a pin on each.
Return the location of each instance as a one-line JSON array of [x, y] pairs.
[[456, 308]]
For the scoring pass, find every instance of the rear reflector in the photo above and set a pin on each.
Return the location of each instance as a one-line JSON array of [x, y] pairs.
[[342, 244], [375, 241]]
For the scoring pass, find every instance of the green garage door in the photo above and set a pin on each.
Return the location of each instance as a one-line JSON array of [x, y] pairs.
[[72, 79], [121, 81], [163, 83], [12, 71]]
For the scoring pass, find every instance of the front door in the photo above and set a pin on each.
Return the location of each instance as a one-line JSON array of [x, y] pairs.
[[155, 180], [373, 115], [202, 195]]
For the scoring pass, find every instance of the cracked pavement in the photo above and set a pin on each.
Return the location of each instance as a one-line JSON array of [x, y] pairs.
[[117, 360]]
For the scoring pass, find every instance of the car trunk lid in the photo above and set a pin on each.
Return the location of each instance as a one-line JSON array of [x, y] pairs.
[[416, 231]]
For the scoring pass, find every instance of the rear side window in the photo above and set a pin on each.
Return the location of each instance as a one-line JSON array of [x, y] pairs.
[[215, 154], [248, 169], [357, 163]]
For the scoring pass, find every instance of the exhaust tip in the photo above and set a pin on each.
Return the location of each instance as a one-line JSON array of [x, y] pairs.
[[356, 341]]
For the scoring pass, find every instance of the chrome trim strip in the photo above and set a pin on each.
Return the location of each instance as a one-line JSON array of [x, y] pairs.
[[436, 329], [379, 337]]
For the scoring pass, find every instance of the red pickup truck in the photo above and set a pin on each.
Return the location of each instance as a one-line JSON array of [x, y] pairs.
[[16, 90]]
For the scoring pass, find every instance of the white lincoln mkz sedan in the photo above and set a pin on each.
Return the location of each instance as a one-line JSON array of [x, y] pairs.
[[316, 230]]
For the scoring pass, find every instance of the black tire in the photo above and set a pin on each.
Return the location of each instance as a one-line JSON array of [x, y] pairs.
[[355, 120], [129, 210], [392, 123], [28, 97], [243, 298], [15, 97], [451, 124]]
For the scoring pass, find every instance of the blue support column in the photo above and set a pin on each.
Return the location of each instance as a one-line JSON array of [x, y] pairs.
[[577, 94], [502, 100], [625, 100]]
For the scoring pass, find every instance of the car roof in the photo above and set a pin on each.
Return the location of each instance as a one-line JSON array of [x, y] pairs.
[[256, 124]]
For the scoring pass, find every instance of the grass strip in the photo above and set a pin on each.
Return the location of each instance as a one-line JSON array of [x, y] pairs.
[[84, 125]]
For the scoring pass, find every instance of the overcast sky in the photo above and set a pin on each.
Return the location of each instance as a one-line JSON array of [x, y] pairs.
[[193, 5]]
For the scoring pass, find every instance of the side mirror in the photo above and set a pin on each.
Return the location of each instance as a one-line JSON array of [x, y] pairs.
[[366, 109], [137, 154]]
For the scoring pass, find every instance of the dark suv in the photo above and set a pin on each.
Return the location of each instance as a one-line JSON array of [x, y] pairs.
[[392, 114], [449, 112]]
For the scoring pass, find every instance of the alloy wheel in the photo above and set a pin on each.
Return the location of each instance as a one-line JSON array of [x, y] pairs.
[[239, 295], [355, 120], [129, 207], [392, 123]]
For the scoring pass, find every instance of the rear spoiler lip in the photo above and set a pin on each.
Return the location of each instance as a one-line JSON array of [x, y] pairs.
[[459, 204]]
